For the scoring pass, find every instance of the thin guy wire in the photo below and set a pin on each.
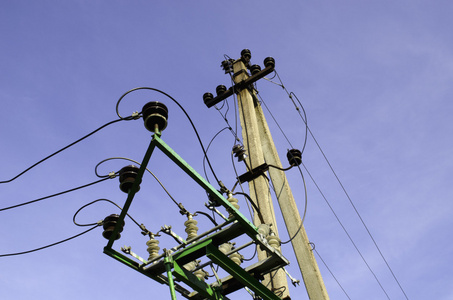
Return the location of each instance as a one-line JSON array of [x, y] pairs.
[[342, 186], [327, 267], [344, 229]]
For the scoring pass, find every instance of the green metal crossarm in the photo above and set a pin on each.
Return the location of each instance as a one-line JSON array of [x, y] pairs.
[[241, 275], [251, 229], [198, 285], [132, 191]]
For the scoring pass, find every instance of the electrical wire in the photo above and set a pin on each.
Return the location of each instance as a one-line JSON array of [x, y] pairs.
[[185, 113], [207, 149], [152, 174], [305, 208], [54, 195], [304, 119], [100, 222], [64, 148], [328, 269], [51, 245]]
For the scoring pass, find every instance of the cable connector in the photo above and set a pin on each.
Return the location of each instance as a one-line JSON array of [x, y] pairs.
[[112, 175], [135, 115]]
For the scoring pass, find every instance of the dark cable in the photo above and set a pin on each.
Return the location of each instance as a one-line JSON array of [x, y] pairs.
[[208, 216], [327, 267], [183, 110], [207, 149], [54, 195], [304, 119], [99, 222], [253, 204], [64, 148], [48, 246]]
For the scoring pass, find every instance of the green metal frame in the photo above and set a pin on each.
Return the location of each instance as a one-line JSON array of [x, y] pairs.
[[172, 263]]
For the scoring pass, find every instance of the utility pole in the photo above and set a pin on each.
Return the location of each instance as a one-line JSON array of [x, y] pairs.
[[259, 187], [262, 153]]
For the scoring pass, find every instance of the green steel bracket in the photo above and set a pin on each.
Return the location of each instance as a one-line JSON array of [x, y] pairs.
[[198, 285], [241, 275], [196, 248]]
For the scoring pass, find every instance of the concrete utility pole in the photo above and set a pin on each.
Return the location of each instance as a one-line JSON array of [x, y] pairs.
[[259, 188], [261, 148]]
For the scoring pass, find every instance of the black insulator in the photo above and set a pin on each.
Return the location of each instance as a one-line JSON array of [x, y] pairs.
[[109, 225], [227, 66], [155, 114], [127, 178], [294, 157], [255, 69], [207, 97], [220, 89], [239, 152], [246, 55], [269, 61]]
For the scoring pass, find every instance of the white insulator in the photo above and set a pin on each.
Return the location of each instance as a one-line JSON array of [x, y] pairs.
[[191, 228], [264, 229], [234, 203], [273, 241], [237, 258], [201, 274], [153, 248], [226, 247], [191, 265]]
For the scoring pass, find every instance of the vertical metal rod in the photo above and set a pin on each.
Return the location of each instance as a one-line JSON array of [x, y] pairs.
[[168, 266]]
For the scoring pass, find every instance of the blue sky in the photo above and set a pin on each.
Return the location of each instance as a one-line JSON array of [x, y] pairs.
[[375, 79]]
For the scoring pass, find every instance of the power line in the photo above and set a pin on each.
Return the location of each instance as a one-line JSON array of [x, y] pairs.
[[339, 181], [51, 245], [54, 195], [185, 113], [64, 148]]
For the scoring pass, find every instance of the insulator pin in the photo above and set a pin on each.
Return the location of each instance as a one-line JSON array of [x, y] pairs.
[[207, 97], [294, 157], [153, 248], [127, 178], [255, 69], [269, 62], [220, 89], [239, 152], [191, 228], [109, 225], [246, 55], [155, 115]]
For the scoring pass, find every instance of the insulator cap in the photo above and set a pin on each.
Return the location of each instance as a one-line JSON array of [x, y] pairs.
[[269, 61], [220, 89], [294, 157], [246, 55], [255, 69], [155, 114], [227, 65], [207, 97], [239, 152], [127, 178], [110, 224]]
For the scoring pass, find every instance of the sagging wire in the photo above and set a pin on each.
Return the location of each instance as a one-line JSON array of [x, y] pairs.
[[328, 269], [308, 130], [141, 226], [51, 245], [207, 149], [185, 113], [66, 147], [54, 195], [180, 206]]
